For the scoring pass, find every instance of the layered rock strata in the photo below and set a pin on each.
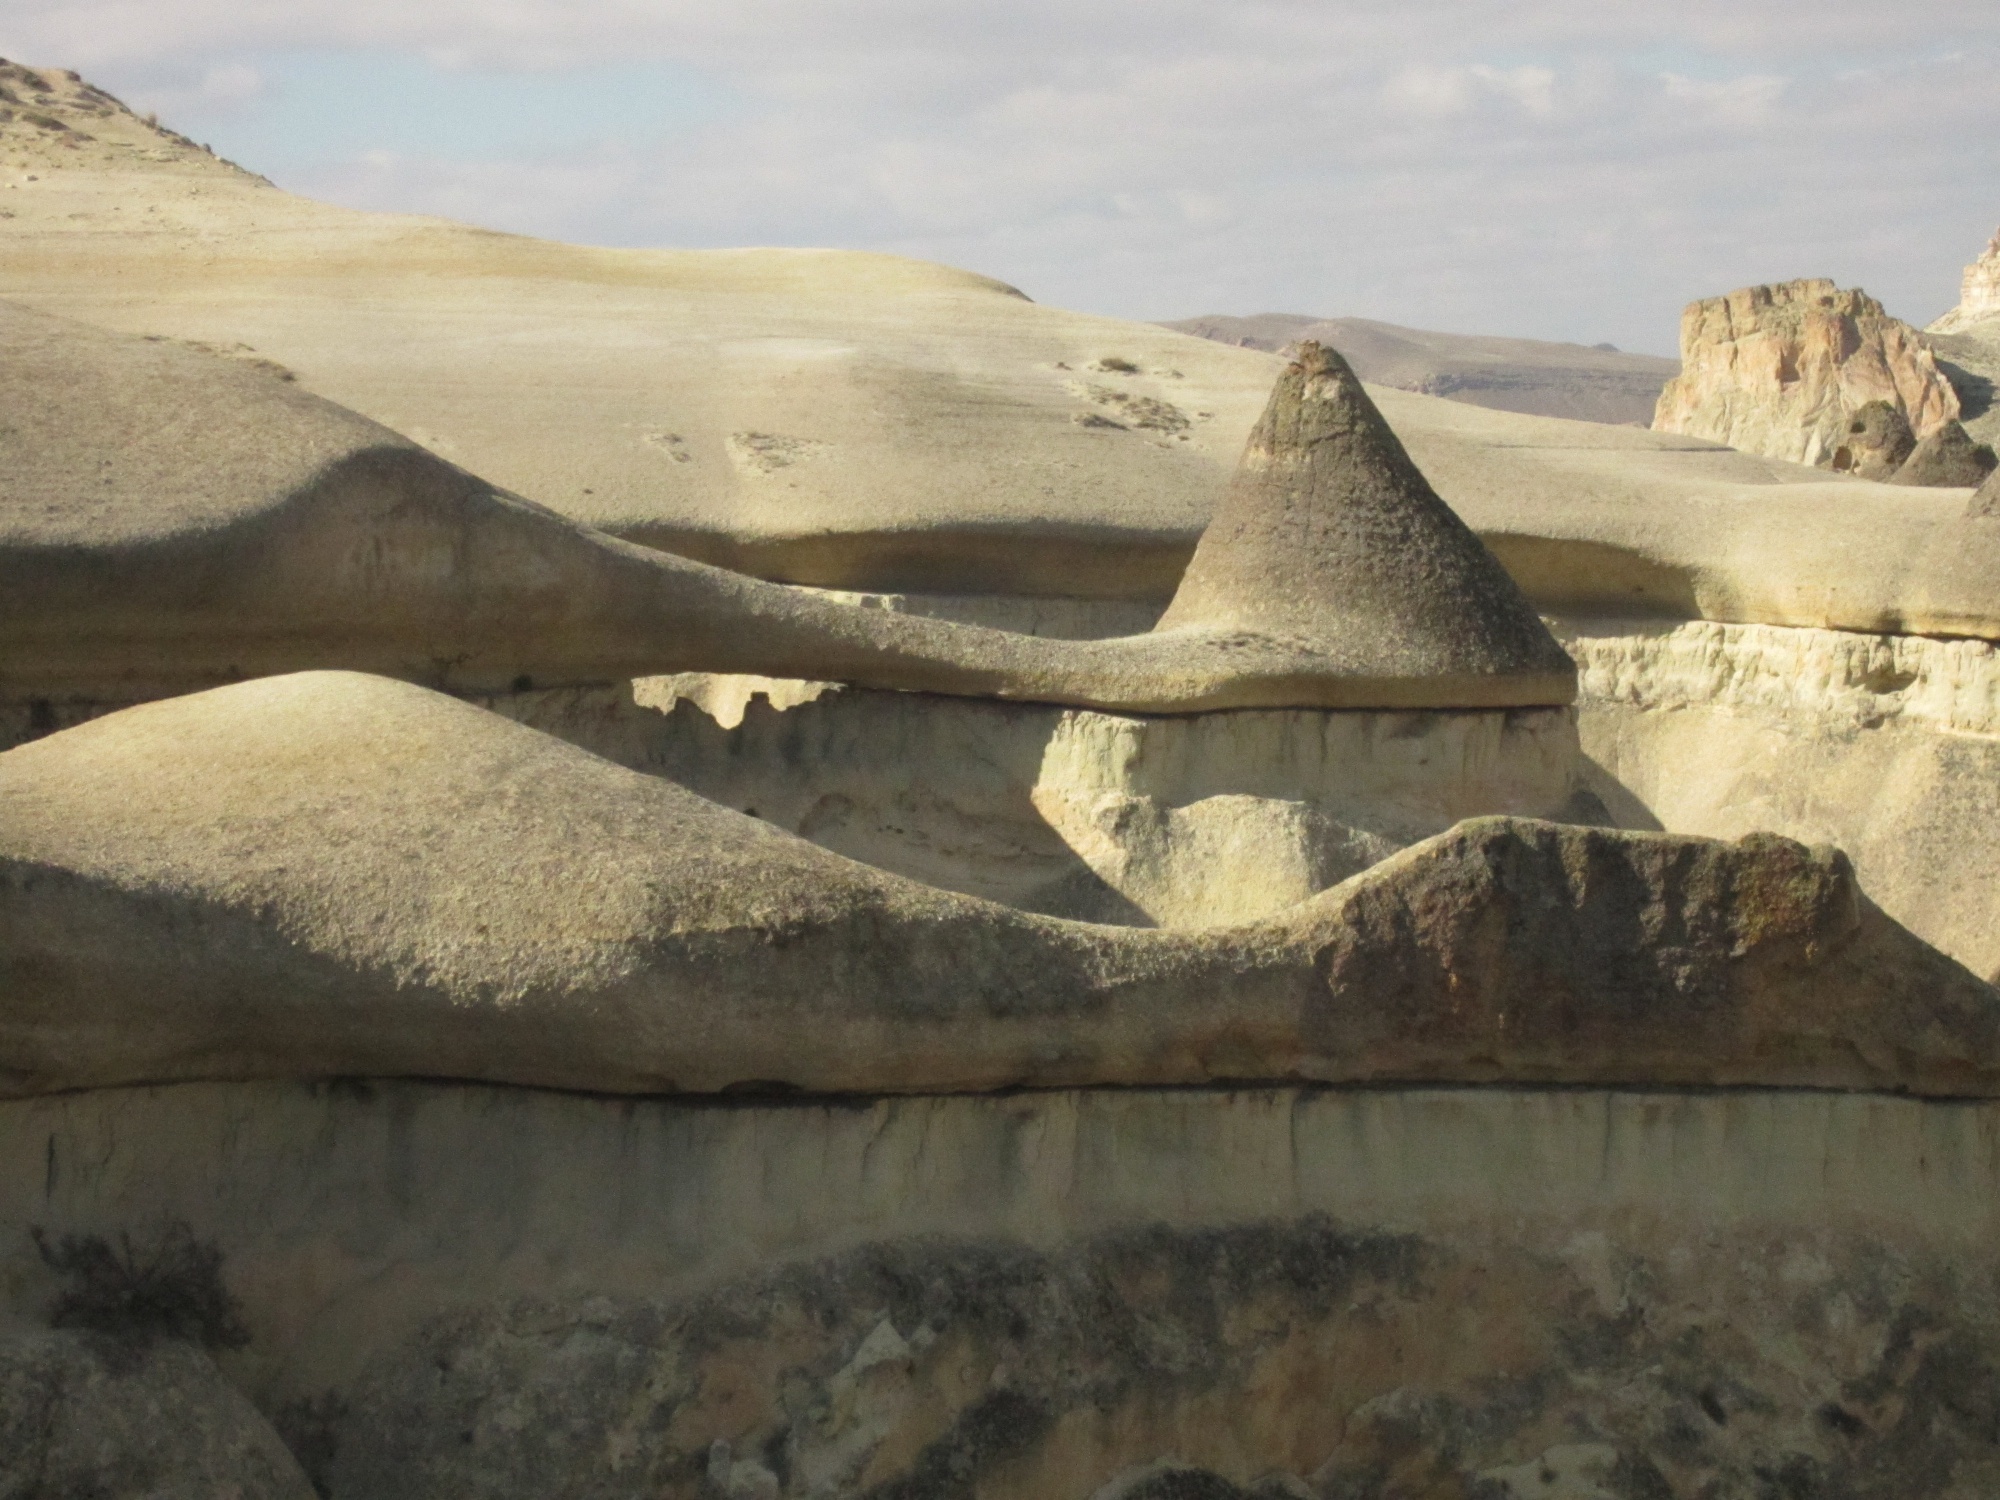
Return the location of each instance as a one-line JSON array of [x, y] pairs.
[[1979, 295], [1195, 820], [508, 1294], [1887, 746], [333, 875], [1780, 370]]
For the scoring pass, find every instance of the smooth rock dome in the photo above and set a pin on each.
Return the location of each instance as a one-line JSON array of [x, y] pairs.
[[1330, 536]]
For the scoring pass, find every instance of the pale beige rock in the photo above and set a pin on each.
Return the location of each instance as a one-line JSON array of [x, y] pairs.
[[169, 519], [1979, 296], [1886, 746], [1194, 820], [582, 378], [1780, 370], [516, 1293], [333, 875]]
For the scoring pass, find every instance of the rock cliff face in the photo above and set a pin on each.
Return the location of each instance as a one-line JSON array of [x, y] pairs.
[[1979, 298], [1780, 370]]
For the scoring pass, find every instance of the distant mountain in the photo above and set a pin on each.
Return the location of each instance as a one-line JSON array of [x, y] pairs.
[[1590, 383]]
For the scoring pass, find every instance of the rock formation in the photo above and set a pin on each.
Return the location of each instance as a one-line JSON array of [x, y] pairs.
[[237, 884], [1979, 297], [1876, 444], [1782, 370], [491, 1008], [176, 519], [102, 1413], [1949, 459], [1329, 533]]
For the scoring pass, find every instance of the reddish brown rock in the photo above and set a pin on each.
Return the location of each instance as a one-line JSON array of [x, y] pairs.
[[1782, 370]]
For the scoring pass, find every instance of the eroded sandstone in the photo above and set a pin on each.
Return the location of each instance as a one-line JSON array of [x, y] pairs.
[[1781, 370]]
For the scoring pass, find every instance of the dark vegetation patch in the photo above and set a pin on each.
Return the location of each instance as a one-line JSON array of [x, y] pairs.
[[168, 1286]]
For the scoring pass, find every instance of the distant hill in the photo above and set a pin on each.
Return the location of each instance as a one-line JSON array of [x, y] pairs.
[[1591, 384]]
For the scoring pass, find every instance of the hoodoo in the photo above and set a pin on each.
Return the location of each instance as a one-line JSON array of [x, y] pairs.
[[1330, 536]]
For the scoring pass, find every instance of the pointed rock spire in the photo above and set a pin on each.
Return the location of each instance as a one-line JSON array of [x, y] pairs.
[[1329, 536]]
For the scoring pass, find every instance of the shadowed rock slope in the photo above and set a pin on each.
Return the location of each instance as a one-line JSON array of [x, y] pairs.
[[336, 875], [170, 519]]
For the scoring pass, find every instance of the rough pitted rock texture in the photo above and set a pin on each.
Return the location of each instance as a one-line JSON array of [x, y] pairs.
[[1330, 533], [1979, 297], [1779, 370], [1948, 459], [1877, 442], [86, 1415], [1282, 1359]]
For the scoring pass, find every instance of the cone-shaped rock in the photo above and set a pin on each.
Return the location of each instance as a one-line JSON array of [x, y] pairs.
[[1946, 459], [1329, 536]]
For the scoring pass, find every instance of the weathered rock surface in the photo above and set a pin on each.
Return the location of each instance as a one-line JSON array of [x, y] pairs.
[[333, 875], [1877, 442], [88, 1415], [502, 1292], [1195, 820], [1948, 459], [1886, 746], [1780, 370], [1586, 383], [1330, 534], [172, 519], [1979, 297]]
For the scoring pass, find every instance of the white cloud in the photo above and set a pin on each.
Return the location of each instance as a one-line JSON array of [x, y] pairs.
[[1555, 167]]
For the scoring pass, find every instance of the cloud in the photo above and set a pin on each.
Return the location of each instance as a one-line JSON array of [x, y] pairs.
[[1547, 167]]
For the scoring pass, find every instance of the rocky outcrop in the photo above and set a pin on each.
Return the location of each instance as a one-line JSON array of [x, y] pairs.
[[99, 1414], [331, 875], [1885, 745], [1979, 295], [1877, 443], [1782, 370], [1947, 459]]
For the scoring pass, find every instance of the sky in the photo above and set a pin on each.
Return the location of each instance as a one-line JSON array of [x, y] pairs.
[[1562, 169]]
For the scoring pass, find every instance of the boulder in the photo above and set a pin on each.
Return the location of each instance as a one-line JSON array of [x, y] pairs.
[[1877, 442], [1778, 369], [91, 1414], [1948, 459]]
